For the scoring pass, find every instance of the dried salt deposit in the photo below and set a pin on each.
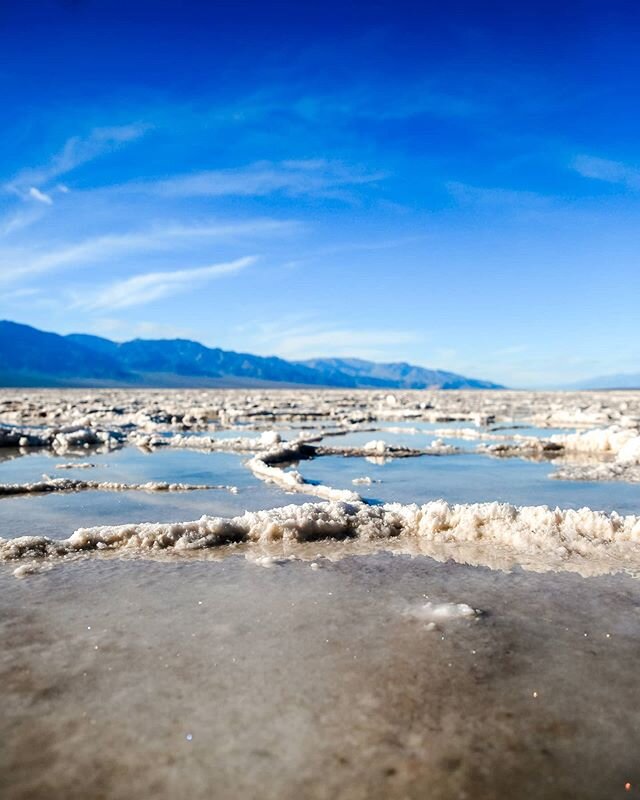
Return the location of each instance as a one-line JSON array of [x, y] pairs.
[[302, 639], [281, 430], [47, 485], [551, 536]]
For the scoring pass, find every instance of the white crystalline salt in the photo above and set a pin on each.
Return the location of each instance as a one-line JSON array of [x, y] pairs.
[[376, 446], [629, 453], [264, 561], [600, 440], [293, 481], [23, 570], [270, 439], [47, 485], [440, 612], [549, 535]]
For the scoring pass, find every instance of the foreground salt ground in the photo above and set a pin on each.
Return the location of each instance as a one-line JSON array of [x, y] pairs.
[[354, 680], [263, 594]]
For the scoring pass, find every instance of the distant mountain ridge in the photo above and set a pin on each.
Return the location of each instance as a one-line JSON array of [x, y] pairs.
[[619, 381], [30, 357], [397, 374]]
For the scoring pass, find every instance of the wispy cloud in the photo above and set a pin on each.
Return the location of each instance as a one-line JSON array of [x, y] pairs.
[[297, 339], [151, 286], [76, 151], [19, 220], [493, 197], [603, 169], [317, 177], [16, 263], [372, 102], [41, 197], [20, 294]]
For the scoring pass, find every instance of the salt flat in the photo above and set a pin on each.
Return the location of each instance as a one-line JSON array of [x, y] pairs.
[[261, 594]]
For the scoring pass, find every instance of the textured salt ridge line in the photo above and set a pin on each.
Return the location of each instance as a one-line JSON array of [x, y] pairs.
[[264, 466], [152, 441], [528, 447], [270, 442], [87, 428], [185, 409], [60, 439], [598, 472], [549, 534], [48, 485], [384, 451], [293, 481], [468, 433], [380, 448], [614, 442], [623, 443]]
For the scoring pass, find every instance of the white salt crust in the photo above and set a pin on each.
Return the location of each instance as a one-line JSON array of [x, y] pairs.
[[623, 443], [104, 420], [548, 534], [443, 612], [70, 485], [292, 481]]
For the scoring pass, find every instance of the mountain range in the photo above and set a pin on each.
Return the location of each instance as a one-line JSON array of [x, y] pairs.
[[617, 381], [31, 357]]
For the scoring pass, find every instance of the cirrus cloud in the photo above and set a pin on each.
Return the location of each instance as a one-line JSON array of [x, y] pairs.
[[151, 286]]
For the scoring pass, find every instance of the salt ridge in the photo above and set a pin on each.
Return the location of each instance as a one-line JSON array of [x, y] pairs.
[[552, 535], [48, 485]]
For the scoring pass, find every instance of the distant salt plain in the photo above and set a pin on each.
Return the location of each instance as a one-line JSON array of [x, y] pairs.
[[313, 550]]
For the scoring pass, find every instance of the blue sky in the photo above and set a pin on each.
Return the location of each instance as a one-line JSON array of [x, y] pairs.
[[456, 185]]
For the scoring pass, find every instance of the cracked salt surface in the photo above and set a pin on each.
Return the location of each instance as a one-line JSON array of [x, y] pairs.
[[320, 633], [147, 449]]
